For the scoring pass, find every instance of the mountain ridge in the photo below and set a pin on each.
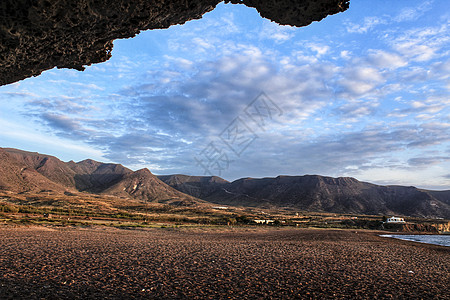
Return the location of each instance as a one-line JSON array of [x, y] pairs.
[[321, 194]]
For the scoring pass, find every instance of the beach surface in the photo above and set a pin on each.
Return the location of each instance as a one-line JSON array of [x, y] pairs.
[[224, 263]]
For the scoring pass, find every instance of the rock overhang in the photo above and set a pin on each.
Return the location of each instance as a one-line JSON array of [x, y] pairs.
[[38, 35]]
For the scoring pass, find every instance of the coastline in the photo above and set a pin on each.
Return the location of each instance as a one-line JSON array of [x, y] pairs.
[[433, 239]]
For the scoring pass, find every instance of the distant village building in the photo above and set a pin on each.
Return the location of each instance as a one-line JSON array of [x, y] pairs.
[[263, 221], [395, 220]]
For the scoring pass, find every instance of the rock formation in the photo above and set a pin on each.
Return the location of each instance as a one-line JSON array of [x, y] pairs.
[[37, 35]]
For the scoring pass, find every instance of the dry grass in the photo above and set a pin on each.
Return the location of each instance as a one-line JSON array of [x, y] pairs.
[[82, 209]]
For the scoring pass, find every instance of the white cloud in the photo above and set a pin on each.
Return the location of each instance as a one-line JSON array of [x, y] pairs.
[[345, 54], [301, 57], [319, 49], [413, 13], [201, 44], [365, 74], [352, 111], [368, 24], [417, 104], [383, 59], [277, 33], [422, 44], [396, 114], [183, 63], [357, 81], [414, 51]]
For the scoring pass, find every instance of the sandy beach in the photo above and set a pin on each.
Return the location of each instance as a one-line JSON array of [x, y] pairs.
[[239, 263]]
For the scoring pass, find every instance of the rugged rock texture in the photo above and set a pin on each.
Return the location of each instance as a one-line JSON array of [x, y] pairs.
[[295, 12], [37, 35]]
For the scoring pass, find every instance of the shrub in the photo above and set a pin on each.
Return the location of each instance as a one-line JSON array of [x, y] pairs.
[[9, 208]]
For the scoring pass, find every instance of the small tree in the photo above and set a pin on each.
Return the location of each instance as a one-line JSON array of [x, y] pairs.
[[242, 219], [231, 221]]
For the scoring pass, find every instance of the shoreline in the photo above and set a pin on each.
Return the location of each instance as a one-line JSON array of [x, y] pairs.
[[432, 239]]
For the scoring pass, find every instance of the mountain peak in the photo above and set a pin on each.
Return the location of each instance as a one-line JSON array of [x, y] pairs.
[[143, 171], [89, 162]]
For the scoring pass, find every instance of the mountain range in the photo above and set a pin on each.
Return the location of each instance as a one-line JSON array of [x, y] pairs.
[[316, 193], [22, 171]]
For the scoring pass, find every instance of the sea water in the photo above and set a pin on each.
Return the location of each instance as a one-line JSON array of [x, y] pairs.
[[442, 240]]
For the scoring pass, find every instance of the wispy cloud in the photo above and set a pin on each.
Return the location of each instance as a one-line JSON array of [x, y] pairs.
[[383, 59], [413, 13], [422, 44], [277, 33], [427, 161], [368, 24], [406, 14]]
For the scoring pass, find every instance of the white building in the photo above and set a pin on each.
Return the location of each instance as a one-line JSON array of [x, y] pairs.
[[263, 221], [395, 220]]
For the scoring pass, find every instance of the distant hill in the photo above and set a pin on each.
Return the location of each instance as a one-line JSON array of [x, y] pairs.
[[317, 193], [22, 171], [197, 186], [143, 185], [443, 196], [17, 175]]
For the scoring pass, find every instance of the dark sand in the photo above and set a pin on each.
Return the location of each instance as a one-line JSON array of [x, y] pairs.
[[37, 263]]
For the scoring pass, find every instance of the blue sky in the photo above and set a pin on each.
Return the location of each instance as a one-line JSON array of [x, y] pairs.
[[364, 93]]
